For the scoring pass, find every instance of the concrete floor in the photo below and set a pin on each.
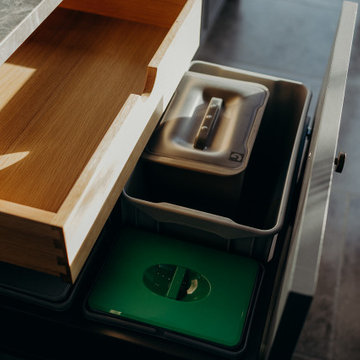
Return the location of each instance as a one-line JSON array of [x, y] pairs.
[[292, 38]]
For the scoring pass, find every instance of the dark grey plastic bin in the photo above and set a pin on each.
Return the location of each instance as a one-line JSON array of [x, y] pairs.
[[247, 224], [116, 320]]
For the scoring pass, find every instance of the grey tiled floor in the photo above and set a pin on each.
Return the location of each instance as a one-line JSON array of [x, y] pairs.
[[292, 38]]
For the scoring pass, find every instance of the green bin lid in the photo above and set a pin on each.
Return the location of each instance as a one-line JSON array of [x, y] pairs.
[[176, 285]]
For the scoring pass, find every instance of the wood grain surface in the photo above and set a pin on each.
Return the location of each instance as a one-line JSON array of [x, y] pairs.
[[62, 90], [78, 103], [160, 12]]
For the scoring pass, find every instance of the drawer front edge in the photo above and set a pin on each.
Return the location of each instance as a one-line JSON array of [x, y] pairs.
[[84, 212]]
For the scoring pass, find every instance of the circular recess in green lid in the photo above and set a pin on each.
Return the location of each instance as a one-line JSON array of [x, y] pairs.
[[176, 282]]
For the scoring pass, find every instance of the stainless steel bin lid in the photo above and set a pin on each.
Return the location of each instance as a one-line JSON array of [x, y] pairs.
[[210, 125]]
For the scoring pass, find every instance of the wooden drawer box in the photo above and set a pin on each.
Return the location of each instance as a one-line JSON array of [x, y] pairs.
[[79, 100]]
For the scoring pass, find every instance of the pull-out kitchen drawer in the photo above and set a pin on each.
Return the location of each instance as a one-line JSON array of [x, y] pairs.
[[290, 277], [80, 97]]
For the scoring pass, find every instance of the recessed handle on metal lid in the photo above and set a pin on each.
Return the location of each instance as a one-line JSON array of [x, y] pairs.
[[208, 123]]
